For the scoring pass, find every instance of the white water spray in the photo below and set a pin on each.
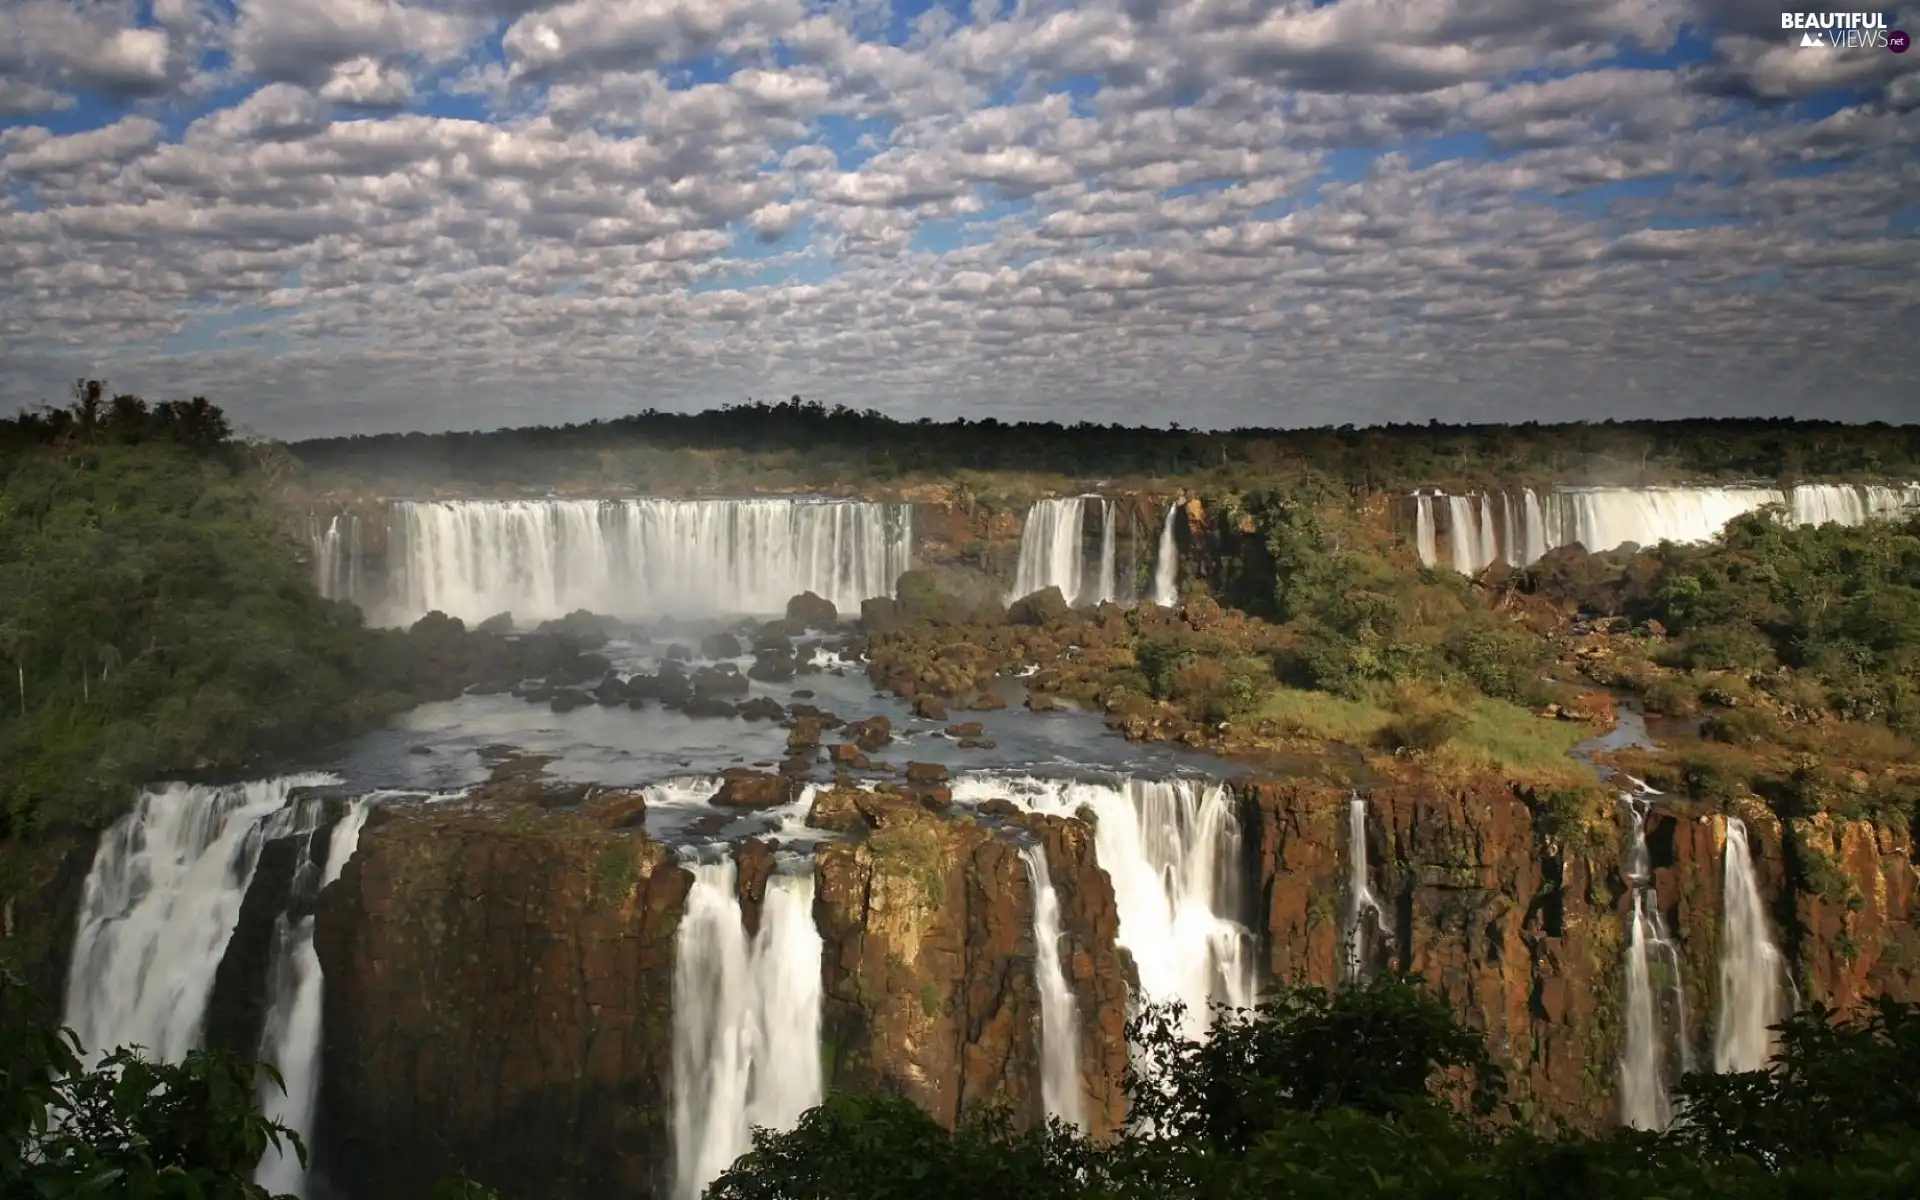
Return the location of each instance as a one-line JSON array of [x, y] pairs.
[[159, 907], [1172, 849], [1053, 551], [746, 1021], [1643, 1068], [291, 1040], [1059, 1012], [544, 558], [1753, 973], [1365, 924], [1166, 563]]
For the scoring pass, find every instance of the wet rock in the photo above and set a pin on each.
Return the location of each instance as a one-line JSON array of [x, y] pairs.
[[709, 706], [933, 798], [807, 711], [580, 627], [617, 808], [798, 763], [978, 744], [805, 733], [836, 809], [870, 734], [419, 749], [986, 702], [773, 641], [498, 623], [612, 691], [721, 645], [676, 653], [762, 708], [964, 729], [566, 700], [878, 613], [932, 708], [802, 694], [922, 772], [771, 668], [1043, 607], [746, 788], [1000, 806], [722, 679], [812, 612], [1041, 702]]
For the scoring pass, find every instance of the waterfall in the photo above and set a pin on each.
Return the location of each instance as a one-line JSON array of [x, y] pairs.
[[545, 558], [1753, 974], [159, 907], [746, 1021], [1603, 518], [291, 1040], [1364, 920], [1166, 563], [1650, 1009], [1053, 551], [1425, 540], [1172, 849], [336, 556], [1059, 1014], [1106, 583]]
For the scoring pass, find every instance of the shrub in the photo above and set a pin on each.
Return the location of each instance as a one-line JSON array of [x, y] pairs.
[[1672, 696]]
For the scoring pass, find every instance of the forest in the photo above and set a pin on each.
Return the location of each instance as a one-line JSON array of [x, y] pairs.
[[802, 444]]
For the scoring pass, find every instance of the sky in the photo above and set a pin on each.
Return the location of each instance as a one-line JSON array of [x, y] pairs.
[[339, 216]]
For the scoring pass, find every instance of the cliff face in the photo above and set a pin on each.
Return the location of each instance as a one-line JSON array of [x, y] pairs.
[[930, 962], [498, 991], [1525, 932]]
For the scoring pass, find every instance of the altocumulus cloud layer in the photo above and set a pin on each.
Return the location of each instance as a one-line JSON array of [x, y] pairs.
[[373, 214]]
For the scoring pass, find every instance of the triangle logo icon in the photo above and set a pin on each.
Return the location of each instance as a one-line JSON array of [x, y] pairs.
[[1808, 39]]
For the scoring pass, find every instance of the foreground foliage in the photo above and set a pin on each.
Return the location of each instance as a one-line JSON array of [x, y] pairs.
[[1378, 1091]]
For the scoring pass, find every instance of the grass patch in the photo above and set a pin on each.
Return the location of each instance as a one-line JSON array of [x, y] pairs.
[[1484, 735], [1325, 716], [912, 849]]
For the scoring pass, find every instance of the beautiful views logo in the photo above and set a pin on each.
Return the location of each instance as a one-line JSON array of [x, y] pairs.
[[1846, 31]]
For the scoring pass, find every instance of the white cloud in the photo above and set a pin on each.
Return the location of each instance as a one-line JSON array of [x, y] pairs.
[[1236, 210]]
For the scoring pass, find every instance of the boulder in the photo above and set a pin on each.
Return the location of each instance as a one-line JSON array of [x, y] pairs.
[[761, 708], [1039, 608], [745, 788], [847, 754], [931, 708], [812, 612], [870, 734], [709, 706], [879, 613], [617, 808], [721, 645], [566, 700], [921, 772], [836, 809], [723, 679], [496, 624], [805, 733], [964, 729], [772, 668], [999, 806], [827, 720]]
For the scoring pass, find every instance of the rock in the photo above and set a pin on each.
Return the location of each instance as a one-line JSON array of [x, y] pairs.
[[498, 623], [1041, 702], [826, 719], [762, 708], [978, 744], [836, 809], [879, 613], [612, 691], [964, 729], [419, 749], [931, 708], [934, 798], [722, 679], [921, 772], [721, 645], [798, 763], [744, 788], [986, 702], [847, 754], [567, 700], [771, 668], [583, 668], [1000, 806], [805, 733], [1043, 607], [709, 706], [870, 734], [586, 630], [676, 653], [617, 808], [812, 612]]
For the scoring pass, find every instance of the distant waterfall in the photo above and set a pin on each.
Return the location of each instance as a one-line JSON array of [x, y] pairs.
[[1166, 563], [337, 556], [746, 1021], [1172, 849], [1053, 551], [1650, 1007], [159, 907], [544, 558], [1059, 1013], [1365, 924], [291, 1041], [1532, 523], [1753, 974]]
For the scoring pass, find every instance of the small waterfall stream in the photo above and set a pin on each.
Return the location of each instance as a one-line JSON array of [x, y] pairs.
[[746, 1021], [1651, 1009], [1753, 973], [1365, 925], [1059, 1014], [1166, 563]]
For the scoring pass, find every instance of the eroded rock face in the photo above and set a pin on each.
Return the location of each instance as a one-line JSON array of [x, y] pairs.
[[498, 1001], [929, 967]]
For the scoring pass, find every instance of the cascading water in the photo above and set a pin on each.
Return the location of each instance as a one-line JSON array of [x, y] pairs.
[[336, 557], [544, 558], [1650, 1010], [1753, 973], [1172, 849], [1053, 551], [1166, 563], [1059, 1012], [1602, 518], [1365, 924], [159, 907], [746, 1021], [291, 1041]]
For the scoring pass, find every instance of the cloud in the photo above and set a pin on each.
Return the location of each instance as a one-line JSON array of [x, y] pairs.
[[343, 214]]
